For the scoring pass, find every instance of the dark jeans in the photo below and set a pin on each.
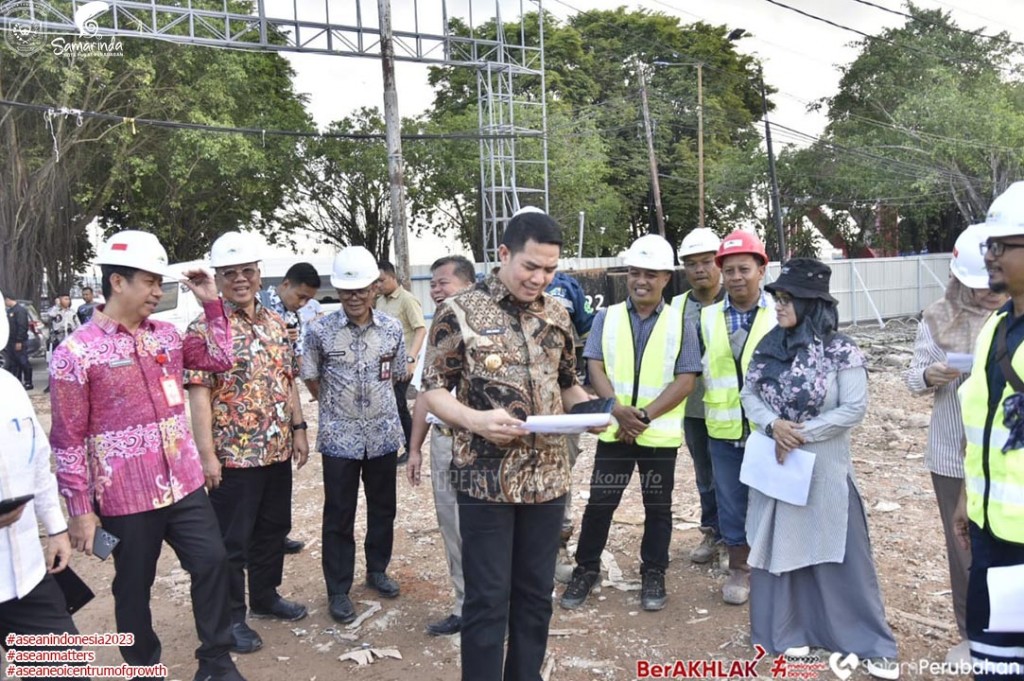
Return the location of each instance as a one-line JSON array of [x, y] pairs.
[[190, 527], [253, 507], [41, 611], [401, 392], [696, 432], [613, 469], [508, 559], [730, 494], [341, 495], [18, 364], [1000, 650]]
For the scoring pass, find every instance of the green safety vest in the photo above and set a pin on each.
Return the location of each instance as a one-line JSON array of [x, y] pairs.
[[723, 375], [657, 371], [995, 500], [679, 303]]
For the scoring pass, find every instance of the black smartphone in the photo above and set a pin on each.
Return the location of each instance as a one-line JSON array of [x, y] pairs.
[[600, 405], [8, 505], [76, 592], [103, 543]]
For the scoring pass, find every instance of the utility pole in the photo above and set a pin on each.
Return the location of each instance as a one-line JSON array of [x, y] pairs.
[[393, 135], [776, 202], [700, 140], [655, 185]]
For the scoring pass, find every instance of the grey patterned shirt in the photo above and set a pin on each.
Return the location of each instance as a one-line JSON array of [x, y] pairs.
[[357, 367]]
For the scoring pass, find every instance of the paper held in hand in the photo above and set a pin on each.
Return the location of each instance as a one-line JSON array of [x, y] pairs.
[[960, 361], [566, 424], [789, 482], [1006, 598]]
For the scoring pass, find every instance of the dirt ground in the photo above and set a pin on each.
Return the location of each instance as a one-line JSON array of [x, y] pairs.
[[604, 639]]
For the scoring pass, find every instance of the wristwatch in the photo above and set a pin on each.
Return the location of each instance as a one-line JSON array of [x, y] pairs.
[[410, 360], [769, 430], [300, 426], [644, 416]]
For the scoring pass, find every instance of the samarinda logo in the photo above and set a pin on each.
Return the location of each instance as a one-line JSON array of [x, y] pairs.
[[32, 26]]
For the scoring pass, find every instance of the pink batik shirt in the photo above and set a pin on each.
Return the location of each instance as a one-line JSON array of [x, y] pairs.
[[120, 434]]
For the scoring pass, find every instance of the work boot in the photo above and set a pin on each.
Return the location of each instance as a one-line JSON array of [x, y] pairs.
[[579, 588], [652, 590], [736, 589], [706, 550]]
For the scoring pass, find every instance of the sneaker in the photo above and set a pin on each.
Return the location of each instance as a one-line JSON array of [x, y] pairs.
[[797, 651], [579, 588], [883, 668], [706, 550], [652, 590]]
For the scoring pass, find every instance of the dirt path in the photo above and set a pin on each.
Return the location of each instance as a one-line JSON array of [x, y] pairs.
[[604, 639]]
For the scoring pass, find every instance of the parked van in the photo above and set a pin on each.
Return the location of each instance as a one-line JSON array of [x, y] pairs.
[[179, 305]]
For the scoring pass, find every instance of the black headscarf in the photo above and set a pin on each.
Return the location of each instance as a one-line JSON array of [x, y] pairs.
[[790, 367]]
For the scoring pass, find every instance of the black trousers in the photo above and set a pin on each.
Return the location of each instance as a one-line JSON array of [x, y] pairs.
[[341, 497], [508, 560], [190, 527], [19, 365], [41, 611], [401, 392], [254, 510], [613, 468]]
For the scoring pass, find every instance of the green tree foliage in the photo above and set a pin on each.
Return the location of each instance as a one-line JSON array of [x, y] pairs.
[[927, 127], [61, 172]]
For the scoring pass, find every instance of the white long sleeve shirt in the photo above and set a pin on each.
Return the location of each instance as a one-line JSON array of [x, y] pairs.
[[24, 469]]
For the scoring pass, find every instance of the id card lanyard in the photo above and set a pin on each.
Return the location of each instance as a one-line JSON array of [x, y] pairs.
[[172, 391]]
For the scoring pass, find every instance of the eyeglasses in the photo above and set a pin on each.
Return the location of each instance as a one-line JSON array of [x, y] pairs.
[[783, 299], [997, 248], [357, 293], [231, 275]]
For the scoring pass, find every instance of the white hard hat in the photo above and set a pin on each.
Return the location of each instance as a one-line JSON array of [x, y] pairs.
[[140, 250], [700, 240], [354, 268], [968, 264], [1006, 214], [233, 248], [5, 328], [650, 252]]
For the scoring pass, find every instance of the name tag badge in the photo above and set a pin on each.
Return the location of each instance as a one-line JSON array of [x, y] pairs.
[[172, 391], [385, 367], [126, 362]]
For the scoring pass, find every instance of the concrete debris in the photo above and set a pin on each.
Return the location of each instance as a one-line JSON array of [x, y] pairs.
[[887, 506], [374, 607]]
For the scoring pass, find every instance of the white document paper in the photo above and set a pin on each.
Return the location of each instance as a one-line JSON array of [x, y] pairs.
[[1006, 599], [789, 482], [566, 424], [960, 361]]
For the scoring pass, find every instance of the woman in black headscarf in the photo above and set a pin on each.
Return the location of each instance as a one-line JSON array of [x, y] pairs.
[[813, 581]]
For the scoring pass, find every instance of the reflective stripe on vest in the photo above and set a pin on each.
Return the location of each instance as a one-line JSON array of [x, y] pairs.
[[723, 412], [657, 370], [994, 480]]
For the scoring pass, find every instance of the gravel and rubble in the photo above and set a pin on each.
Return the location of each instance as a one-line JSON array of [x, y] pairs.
[[605, 638]]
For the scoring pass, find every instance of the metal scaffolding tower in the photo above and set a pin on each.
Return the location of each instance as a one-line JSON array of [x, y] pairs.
[[513, 168]]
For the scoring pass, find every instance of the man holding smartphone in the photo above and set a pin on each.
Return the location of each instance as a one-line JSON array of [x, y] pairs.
[[31, 602], [641, 353], [125, 454]]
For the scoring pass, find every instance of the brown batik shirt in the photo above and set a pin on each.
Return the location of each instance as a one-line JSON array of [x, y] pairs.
[[502, 354]]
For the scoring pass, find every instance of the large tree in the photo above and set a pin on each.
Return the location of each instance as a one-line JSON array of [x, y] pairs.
[[61, 171]]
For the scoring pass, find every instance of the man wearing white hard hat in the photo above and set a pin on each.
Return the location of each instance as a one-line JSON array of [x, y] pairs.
[[508, 347], [249, 430], [125, 455], [351, 361], [642, 355], [31, 601], [946, 336], [989, 517], [697, 254]]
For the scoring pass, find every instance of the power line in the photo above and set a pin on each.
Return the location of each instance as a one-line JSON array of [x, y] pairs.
[[932, 23]]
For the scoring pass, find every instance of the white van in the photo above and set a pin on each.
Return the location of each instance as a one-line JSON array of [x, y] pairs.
[[179, 305]]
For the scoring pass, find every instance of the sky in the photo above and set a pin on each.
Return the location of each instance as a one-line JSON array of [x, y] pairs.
[[801, 56]]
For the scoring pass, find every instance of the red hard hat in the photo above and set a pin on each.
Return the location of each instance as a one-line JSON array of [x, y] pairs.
[[740, 242]]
